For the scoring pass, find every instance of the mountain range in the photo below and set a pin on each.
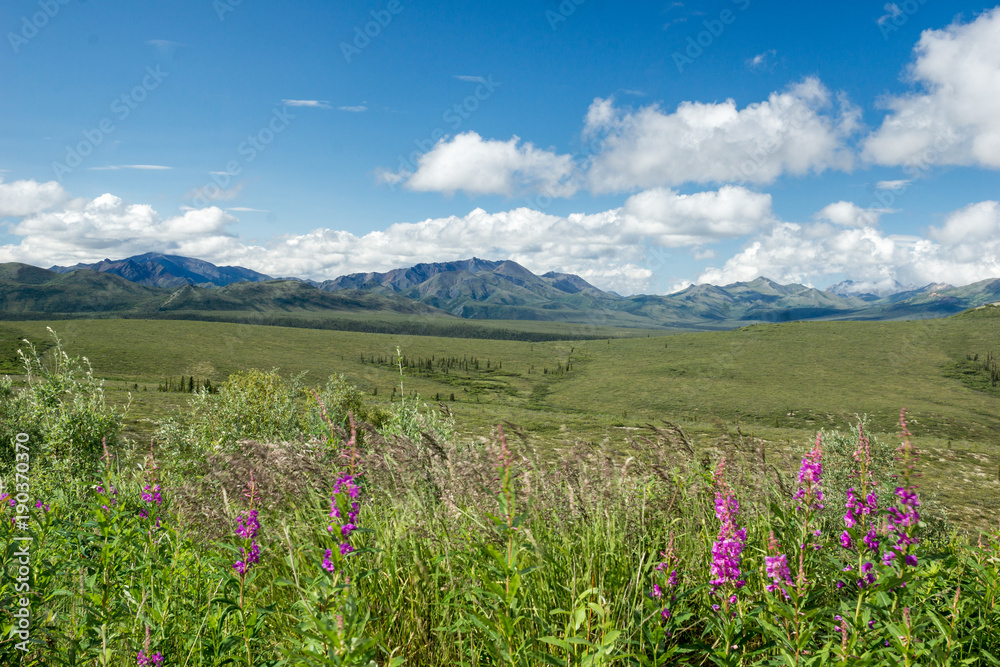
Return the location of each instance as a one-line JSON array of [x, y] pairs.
[[474, 289]]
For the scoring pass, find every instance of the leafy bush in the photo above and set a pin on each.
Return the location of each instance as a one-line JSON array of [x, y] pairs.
[[62, 408], [339, 399], [250, 405]]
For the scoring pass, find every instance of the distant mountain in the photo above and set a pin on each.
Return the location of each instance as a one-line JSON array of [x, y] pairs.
[[157, 270], [30, 290], [482, 289], [472, 289]]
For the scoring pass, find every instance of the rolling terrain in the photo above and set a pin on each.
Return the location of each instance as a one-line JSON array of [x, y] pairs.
[[473, 290]]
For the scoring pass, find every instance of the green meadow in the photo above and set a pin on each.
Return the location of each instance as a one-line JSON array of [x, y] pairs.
[[503, 502]]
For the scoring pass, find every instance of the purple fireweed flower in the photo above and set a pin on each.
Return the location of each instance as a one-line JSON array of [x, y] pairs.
[[669, 560], [143, 660], [904, 517], [247, 524], [871, 541], [845, 540], [810, 493], [328, 564], [247, 527], [728, 547], [346, 486], [776, 568], [151, 494]]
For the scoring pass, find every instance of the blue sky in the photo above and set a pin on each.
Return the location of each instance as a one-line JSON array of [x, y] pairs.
[[643, 147]]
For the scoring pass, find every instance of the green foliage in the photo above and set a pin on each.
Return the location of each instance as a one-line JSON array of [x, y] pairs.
[[62, 408], [340, 399], [254, 405]]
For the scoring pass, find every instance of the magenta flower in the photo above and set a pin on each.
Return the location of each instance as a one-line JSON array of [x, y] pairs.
[[143, 660], [810, 492], [328, 564], [347, 487], [247, 527], [727, 550]]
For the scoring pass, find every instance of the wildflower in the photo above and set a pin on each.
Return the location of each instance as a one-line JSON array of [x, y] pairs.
[[111, 493], [810, 493], [346, 486], [151, 494], [39, 505], [776, 567], [904, 517], [145, 660], [669, 560], [247, 526], [328, 563], [728, 547]]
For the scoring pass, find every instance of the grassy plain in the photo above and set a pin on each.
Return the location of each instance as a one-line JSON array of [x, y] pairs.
[[777, 382]]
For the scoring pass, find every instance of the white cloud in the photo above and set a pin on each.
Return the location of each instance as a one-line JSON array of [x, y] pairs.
[[893, 185], [955, 117], [91, 230], [849, 214], [792, 132], [614, 249], [141, 167], [965, 250], [22, 198], [761, 60], [315, 104], [476, 166], [355, 109], [675, 220]]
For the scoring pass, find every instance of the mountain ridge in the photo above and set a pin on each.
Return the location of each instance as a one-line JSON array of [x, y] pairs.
[[470, 289]]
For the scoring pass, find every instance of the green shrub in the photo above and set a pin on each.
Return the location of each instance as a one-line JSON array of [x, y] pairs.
[[62, 409], [251, 405]]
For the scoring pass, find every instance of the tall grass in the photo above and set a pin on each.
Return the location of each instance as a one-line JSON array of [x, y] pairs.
[[330, 540]]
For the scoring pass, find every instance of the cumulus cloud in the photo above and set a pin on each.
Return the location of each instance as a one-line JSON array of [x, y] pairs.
[[797, 131], [675, 220], [615, 249], [477, 166], [849, 214], [954, 116], [22, 198], [91, 230], [965, 250]]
